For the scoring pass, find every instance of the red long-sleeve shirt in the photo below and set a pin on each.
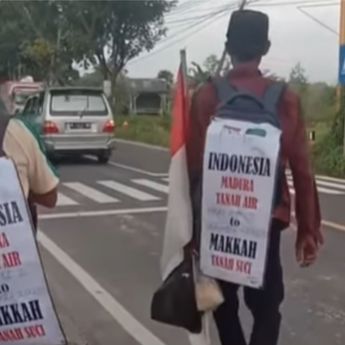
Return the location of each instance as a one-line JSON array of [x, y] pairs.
[[295, 148]]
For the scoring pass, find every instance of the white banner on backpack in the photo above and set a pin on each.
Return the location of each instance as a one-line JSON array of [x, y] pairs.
[[240, 163], [27, 314]]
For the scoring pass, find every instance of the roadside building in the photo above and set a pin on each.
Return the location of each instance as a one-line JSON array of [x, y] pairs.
[[148, 96]]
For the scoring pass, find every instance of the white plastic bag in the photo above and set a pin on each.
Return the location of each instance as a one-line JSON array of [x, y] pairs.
[[207, 291]]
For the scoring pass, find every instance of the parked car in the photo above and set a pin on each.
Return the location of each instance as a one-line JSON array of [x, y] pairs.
[[73, 120]]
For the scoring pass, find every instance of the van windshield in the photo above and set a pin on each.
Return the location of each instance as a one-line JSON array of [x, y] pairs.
[[77, 103]]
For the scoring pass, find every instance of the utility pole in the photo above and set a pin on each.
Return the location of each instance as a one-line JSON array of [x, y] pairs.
[[341, 93], [222, 60], [183, 61], [183, 57]]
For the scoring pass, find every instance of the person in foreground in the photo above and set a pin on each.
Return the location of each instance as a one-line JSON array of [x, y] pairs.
[[38, 179], [247, 43]]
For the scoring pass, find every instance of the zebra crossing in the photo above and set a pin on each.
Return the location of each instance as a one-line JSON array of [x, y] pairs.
[[151, 190], [325, 185], [111, 191]]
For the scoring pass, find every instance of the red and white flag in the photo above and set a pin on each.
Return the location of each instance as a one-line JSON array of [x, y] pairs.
[[179, 223]]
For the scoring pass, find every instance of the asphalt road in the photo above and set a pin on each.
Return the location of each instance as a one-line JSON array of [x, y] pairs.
[[101, 250]]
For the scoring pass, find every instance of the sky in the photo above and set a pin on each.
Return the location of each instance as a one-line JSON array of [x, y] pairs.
[[295, 37]]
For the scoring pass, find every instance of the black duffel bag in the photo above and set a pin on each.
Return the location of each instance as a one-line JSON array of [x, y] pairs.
[[174, 303]]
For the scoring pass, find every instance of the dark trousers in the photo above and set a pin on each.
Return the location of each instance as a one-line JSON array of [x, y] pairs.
[[264, 304]]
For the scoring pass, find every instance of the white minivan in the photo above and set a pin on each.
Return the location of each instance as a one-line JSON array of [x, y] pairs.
[[73, 120]]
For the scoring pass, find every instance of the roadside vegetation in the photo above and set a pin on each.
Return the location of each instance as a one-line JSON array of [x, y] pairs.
[[51, 41], [154, 130], [319, 109]]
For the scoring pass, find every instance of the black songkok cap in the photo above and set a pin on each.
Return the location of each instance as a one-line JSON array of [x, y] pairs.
[[248, 33]]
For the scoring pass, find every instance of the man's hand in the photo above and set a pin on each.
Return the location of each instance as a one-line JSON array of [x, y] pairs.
[[307, 248], [48, 200]]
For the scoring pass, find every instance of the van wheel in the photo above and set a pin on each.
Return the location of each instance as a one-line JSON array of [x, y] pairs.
[[104, 157]]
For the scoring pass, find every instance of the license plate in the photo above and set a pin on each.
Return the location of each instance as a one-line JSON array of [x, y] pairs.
[[80, 126]]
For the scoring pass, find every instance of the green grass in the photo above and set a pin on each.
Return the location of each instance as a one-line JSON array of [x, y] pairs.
[[153, 130], [327, 153], [321, 129]]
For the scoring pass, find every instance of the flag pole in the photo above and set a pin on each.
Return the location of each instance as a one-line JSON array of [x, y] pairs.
[[183, 60]]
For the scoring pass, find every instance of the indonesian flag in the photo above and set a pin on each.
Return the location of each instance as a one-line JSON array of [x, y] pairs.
[[179, 223]]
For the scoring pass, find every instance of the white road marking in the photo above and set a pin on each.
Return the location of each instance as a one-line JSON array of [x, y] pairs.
[[321, 177], [331, 179], [328, 224], [90, 193], [148, 146], [320, 190], [326, 184], [129, 191], [102, 213], [166, 179], [333, 225], [130, 168], [137, 170], [331, 184], [127, 321], [64, 200], [152, 185]]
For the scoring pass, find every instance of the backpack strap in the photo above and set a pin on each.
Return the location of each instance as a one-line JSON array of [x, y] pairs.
[[224, 89], [4, 120], [273, 95]]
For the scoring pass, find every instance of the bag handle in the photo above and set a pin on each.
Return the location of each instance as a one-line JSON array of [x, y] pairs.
[[228, 94], [246, 96]]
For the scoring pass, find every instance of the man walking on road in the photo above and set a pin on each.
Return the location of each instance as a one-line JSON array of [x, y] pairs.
[[247, 43], [38, 179]]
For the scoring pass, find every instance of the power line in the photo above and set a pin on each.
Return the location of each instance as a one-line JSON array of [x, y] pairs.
[[184, 7], [321, 5], [198, 22], [172, 43], [300, 5], [291, 2], [193, 18], [210, 20], [201, 20], [316, 20]]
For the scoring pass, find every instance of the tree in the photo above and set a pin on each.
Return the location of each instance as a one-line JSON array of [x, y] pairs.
[[40, 48], [49, 37], [299, 83], [92, 79], [210, 66], [167, 76], [298, 75], [37, 58], [10, 40], [111, 33], [271, 75], [197, 74]]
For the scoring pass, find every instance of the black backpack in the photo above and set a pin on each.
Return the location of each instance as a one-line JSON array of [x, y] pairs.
[[4, 120], [242, 105]]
